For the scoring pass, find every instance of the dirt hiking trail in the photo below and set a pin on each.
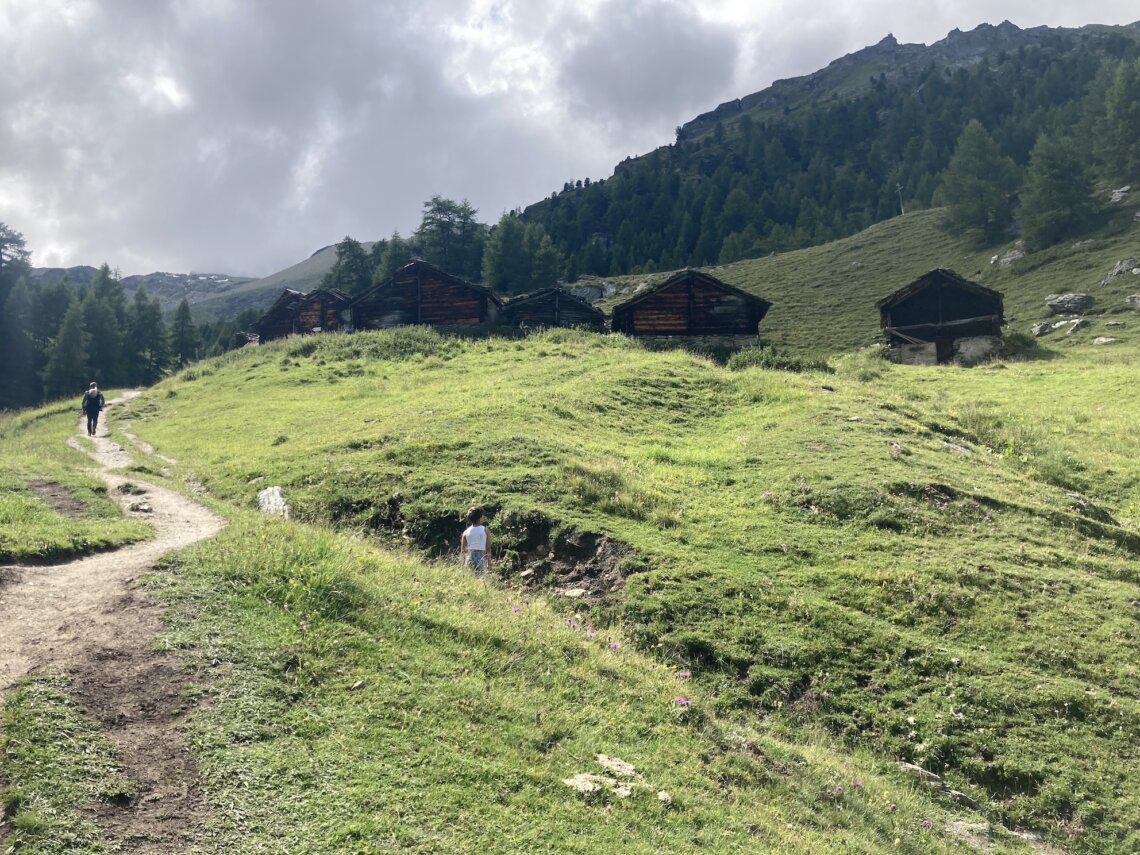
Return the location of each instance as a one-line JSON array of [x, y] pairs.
[[86, 618]]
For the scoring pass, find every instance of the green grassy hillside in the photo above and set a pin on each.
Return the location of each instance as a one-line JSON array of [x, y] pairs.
[[937, 565], [824, 297]]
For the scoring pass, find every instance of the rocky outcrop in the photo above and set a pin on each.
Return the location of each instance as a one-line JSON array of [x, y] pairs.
[[1010, 257], [1105, 339], [1070, 304], [1128, 265], [272, 501]]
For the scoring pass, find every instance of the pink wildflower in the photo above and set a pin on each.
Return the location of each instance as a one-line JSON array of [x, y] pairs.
[[856, 784], [839, 790], [614, 645], [927, 824], [683, 701], [516, 608], [684, 675], [590, 634]]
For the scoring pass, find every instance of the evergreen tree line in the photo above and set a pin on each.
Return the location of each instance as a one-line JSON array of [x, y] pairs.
[[512, 256], [768, 183], [55, 338]]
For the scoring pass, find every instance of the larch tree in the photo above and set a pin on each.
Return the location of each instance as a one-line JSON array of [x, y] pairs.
[[979, 187]]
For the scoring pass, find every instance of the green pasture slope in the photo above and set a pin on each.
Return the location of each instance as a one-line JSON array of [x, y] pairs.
[[859, 566], [50, 507], [936, 565]]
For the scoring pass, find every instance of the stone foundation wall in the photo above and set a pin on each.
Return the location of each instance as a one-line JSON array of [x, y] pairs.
[[967, 351]]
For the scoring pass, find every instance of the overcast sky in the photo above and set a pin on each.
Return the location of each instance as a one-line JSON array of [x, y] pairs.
[[239, 136]]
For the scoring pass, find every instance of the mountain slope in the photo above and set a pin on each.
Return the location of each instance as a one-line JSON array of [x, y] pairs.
[[819, 157], [169, 288]]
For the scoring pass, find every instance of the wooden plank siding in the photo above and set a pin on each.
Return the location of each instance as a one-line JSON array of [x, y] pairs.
[[322, 311], [553, 307], [420, 293], [279, 319], [691, 303], [941, 305]]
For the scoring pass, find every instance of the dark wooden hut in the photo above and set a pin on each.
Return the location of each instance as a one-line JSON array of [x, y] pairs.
[[279, 319], [552, 307], [693, 306], [323, 310], [421, 293], [246, 339], [942, 317]]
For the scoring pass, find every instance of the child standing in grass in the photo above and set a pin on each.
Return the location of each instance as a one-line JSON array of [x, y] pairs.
[[475, 545]]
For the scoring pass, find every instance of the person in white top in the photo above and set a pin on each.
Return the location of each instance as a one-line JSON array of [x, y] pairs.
[[475, 545]]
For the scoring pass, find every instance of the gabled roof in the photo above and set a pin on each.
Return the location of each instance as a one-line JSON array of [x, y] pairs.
[[287, 297], [924, 281], [523, 299], [422, 265], [337, 296], [691, 272]]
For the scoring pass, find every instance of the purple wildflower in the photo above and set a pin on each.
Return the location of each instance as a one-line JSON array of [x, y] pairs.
[[684, 675], [614, 645], [839, 790], [590, 634], [516, 608], [856, 784], [682, 700], [893, 807], [927, 824]]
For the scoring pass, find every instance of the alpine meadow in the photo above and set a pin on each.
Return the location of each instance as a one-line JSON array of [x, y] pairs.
[[805, 592]]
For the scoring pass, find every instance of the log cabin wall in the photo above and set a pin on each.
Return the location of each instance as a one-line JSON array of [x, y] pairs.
[[553, 307], [422, 294], [691, 304], [280, 319]]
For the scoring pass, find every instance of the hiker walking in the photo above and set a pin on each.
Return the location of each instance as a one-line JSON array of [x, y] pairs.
[[92, 405], [475, 545]]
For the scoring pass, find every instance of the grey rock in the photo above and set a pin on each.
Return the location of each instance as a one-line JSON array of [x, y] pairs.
[[1133, 301], [1071, 304], [141, 507], [921, 774], [1115, 324], [1128, 265], [1007, 259], [272, 501], [1078, 325], [1119, 194], [1105, 339], [963, 799], [1039, 330]]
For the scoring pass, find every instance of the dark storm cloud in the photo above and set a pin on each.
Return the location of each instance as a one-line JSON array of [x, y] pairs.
[[240, 135], [642, 61]]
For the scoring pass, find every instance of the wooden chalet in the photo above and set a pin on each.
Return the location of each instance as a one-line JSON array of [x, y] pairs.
[[553, 307], [942, 317], [323, 310], [693, 306], [421, 293], [279, 319]]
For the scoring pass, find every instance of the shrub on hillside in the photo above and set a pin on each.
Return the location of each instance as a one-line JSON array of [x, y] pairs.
[[767, 357]]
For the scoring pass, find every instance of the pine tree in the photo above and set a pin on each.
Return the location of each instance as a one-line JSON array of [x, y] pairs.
[[1056, 201], [149, 346], [506, 262], [397, 253], [19, 385], [548, 263], [978, 187], [352, 270], [66, 371], [184, 340], [1119, 138], [104, 339]]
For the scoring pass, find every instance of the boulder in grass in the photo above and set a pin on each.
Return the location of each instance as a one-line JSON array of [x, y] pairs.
[[1039, 330], [1078, 325], [1071, 304], [272, 501], [1105, 339], [1128, 265], [1133, 302]]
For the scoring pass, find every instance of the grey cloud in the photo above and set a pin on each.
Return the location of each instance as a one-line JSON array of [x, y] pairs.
[[648, 62], [240, 135]]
